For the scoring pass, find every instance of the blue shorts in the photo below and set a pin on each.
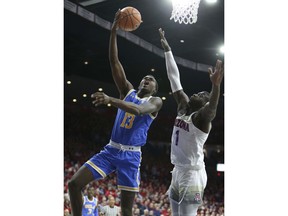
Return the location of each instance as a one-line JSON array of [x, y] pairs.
[[126, 163]]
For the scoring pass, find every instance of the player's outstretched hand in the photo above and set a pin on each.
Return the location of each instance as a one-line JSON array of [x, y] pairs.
[[116, 19], [164, 42], [100, 98], [216, 76]]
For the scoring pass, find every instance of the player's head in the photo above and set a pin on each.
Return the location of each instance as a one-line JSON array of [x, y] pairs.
[[200, 99], [66, 212], [90, 191], [111, 201], [148, 85]]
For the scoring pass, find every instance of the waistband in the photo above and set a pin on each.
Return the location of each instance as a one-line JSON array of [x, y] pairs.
[[124, 147], [190, 167]]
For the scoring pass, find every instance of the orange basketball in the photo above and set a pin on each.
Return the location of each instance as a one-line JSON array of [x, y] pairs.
[[130, 19]]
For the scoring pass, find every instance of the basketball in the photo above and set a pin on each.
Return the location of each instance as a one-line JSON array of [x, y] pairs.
[[130, 19]]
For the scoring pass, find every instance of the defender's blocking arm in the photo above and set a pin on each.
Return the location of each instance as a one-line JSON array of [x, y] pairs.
[[209, 110], [173, 72]]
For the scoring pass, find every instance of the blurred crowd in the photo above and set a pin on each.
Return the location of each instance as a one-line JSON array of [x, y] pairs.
[[87, 130]]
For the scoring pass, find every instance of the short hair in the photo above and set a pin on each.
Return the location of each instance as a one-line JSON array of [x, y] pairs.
[[204, 95], [90, 187], [207, 94], [157, 86]]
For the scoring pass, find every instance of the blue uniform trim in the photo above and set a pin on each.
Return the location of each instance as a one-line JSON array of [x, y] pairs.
[[101, 172], [131, 90], [121, 187]]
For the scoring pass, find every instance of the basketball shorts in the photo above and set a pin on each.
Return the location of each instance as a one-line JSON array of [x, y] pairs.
[[126, 163], [187, 185]]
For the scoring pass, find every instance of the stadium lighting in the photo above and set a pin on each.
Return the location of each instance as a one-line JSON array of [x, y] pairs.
[[68, 82], [181, 1], [221, 50], [211, 1], [220, 167]]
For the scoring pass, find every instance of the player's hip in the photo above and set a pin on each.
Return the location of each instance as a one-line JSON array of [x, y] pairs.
[[183, 176]]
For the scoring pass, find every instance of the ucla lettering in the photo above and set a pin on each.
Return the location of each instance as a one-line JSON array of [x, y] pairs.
[[181, 124]]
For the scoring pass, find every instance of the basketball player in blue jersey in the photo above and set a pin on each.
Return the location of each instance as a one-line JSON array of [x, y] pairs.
[[136, 111], [90, 203], [191, 129]]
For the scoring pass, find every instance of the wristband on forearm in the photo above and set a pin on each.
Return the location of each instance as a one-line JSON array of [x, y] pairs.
[[172, 72]]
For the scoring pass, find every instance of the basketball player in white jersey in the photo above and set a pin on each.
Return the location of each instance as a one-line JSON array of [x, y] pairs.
[[191, 129]]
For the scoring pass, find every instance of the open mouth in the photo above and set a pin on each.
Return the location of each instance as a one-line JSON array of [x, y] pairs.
[[145, 84]]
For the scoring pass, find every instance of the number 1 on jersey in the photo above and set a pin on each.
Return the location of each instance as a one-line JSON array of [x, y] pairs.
[[177, 137]]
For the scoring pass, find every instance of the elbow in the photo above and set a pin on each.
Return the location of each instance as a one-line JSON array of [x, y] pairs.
[[113, 59], [135, 111], [114, 62]]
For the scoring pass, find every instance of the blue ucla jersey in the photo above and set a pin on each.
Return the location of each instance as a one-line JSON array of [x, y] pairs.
[[89, 208], [131, 129]]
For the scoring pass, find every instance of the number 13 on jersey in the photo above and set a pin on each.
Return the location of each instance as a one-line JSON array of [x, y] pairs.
[[128, 120]]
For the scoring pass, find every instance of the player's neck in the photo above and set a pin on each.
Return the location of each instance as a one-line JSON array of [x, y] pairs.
[[142, 94], [90, 198], [191, 109]]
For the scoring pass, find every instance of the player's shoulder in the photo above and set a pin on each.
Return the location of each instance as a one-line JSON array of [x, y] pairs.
[[155, 98], [156, 101]]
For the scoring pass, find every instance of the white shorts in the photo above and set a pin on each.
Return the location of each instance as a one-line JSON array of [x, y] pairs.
[[187, 185]]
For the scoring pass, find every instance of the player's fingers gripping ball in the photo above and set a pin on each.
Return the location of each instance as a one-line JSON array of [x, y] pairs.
[[129, 19]]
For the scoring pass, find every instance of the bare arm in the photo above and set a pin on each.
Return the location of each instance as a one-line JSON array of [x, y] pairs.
[[173, 74], [118, 72], [208, 112], [152, 106]]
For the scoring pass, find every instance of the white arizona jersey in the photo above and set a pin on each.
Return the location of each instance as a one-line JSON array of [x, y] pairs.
[[187, 143]]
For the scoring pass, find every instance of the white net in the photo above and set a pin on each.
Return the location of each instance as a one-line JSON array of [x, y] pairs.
[[185, 11]]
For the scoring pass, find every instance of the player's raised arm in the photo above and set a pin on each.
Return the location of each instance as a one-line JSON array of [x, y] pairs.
[[208, 112], [173, 73], [118, 72], [152, 106]]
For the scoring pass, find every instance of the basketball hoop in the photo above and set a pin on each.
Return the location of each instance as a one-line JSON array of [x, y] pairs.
[[185, 11]]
